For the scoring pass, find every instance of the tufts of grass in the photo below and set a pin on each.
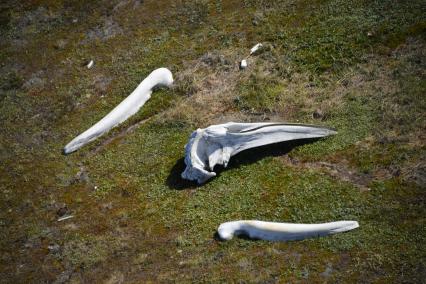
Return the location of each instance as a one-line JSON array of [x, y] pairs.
[[357, 66]]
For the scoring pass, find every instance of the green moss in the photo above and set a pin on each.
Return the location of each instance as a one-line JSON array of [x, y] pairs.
[[328, 35], [131, 206], [10, 81], [259, 94]]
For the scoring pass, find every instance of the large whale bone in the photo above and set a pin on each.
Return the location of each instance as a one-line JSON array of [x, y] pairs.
[[272, 231], [216, 144], [128, 107]]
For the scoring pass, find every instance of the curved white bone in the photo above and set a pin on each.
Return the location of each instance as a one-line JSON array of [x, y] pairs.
[[216, 144], [272, 231], [90, 64], [128, 107]]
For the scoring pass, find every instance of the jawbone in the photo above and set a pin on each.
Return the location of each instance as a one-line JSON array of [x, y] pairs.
[[272, 231], [216, 144], [128, 107]]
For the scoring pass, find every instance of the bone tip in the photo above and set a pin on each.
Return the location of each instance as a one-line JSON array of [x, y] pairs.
[[353, 225], [225, 234], [70, 148], [167, 76], [66, 150], [348, 226]]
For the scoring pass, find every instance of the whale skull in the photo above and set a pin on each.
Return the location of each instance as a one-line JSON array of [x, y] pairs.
[[128, 107], [272, 231], [216, 144]]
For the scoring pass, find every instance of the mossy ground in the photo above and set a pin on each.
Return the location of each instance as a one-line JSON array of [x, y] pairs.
[[358, 66]]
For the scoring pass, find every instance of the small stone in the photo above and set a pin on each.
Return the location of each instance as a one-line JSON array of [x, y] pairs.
[[317, 114], [63, 209], [53, 248]]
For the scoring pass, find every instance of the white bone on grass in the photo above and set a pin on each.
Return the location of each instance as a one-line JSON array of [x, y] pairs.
[[243, 64], [255, 48], [273, 231], [65, 218], [216, 144], [128, 107], [90, 64]]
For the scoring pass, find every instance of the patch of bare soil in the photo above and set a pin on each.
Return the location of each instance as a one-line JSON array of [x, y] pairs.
[[341, 171]]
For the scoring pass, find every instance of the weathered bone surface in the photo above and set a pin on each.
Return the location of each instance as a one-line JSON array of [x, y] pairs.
[[272, 231], [243, 64], [255, 48], [128, 107], [90, 64], [216, 144]]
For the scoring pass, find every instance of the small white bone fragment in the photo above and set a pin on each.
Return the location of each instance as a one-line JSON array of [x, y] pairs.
[[272, 231], [128, 107], [243, 64], [216, 144], [90, 64], [65, 218], [255, 48]]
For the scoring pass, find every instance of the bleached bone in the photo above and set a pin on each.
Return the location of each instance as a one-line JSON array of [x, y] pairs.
[[216, 144], [272, 231], [255, 48], [243, 64], [128, 107], [90, 64], [65, 218]]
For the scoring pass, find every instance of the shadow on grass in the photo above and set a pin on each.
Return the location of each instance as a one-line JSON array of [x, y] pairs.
[[242, 236], [175, 181]]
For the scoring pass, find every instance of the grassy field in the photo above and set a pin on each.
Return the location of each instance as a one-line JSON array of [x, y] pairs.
[[358, 66]]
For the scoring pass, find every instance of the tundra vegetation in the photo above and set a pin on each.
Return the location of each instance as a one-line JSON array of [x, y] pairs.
[[357, 66]]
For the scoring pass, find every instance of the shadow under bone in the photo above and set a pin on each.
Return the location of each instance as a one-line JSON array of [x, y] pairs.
[[250, 156]]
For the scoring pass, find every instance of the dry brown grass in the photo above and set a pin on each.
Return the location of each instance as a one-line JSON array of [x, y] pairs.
[[208, 88]]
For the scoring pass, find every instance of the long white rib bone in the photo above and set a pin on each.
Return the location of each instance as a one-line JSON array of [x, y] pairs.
[[128, 107], [272, 231], [216, 144]]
